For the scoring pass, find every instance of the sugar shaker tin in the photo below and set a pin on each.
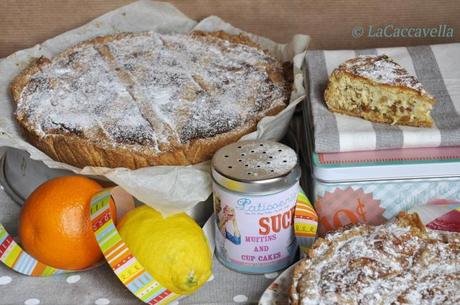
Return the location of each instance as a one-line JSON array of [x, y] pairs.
[[255, 187]]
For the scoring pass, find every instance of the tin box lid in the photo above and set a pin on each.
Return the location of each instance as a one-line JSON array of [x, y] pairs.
[[408, 163], [255, 167]]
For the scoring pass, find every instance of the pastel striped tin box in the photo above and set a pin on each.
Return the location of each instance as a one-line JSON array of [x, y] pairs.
[[373, 186]]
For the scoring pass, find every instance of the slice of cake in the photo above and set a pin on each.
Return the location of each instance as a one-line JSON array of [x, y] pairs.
[[378, 89]]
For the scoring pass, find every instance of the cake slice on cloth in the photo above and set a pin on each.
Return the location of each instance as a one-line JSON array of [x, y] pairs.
[[378, 89]]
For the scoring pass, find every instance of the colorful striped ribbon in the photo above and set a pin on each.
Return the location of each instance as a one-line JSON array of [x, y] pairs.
[[128, 269], [12, 255], [305, 222]]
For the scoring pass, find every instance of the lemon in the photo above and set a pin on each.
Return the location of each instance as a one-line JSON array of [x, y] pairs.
[[173, 249]]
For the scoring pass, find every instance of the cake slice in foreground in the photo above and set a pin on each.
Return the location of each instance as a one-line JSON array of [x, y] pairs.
[[378, 89]]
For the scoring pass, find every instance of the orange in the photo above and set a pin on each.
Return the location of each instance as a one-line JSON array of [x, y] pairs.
[[55, 226]]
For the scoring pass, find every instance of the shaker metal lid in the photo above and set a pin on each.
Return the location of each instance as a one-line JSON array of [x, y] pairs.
[[255, 166]]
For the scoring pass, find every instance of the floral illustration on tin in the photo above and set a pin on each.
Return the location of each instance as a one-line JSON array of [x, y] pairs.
[[344, 207]]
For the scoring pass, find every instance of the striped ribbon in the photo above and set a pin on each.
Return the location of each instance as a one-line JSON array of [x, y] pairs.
[[128, 269], [305, 222], [12, 255]]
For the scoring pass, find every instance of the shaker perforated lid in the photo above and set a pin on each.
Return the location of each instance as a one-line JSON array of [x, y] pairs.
[[255, 166]]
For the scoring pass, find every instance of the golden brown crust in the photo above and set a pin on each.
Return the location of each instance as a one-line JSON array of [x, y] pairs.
[[399, 78], [413, 221], [79, 152], [411, 87], [298, 270], [325, 248], [21, 80]]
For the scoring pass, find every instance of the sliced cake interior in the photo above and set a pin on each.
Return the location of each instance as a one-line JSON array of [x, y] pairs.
[[378, 89]]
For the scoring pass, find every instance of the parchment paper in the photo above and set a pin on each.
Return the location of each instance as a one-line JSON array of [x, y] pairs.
[[167, 188]]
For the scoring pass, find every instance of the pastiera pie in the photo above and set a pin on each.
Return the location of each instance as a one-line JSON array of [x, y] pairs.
[[139, 99], [378, 89], [392, 264]]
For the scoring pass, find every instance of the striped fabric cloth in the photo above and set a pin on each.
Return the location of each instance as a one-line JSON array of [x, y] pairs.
[[437, 67]]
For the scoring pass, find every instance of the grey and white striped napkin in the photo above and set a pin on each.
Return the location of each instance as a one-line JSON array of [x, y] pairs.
[[437, 67]]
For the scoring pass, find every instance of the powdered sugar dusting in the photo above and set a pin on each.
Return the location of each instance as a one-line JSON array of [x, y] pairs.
[[387, 264], [152, 91], [382, 69]]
